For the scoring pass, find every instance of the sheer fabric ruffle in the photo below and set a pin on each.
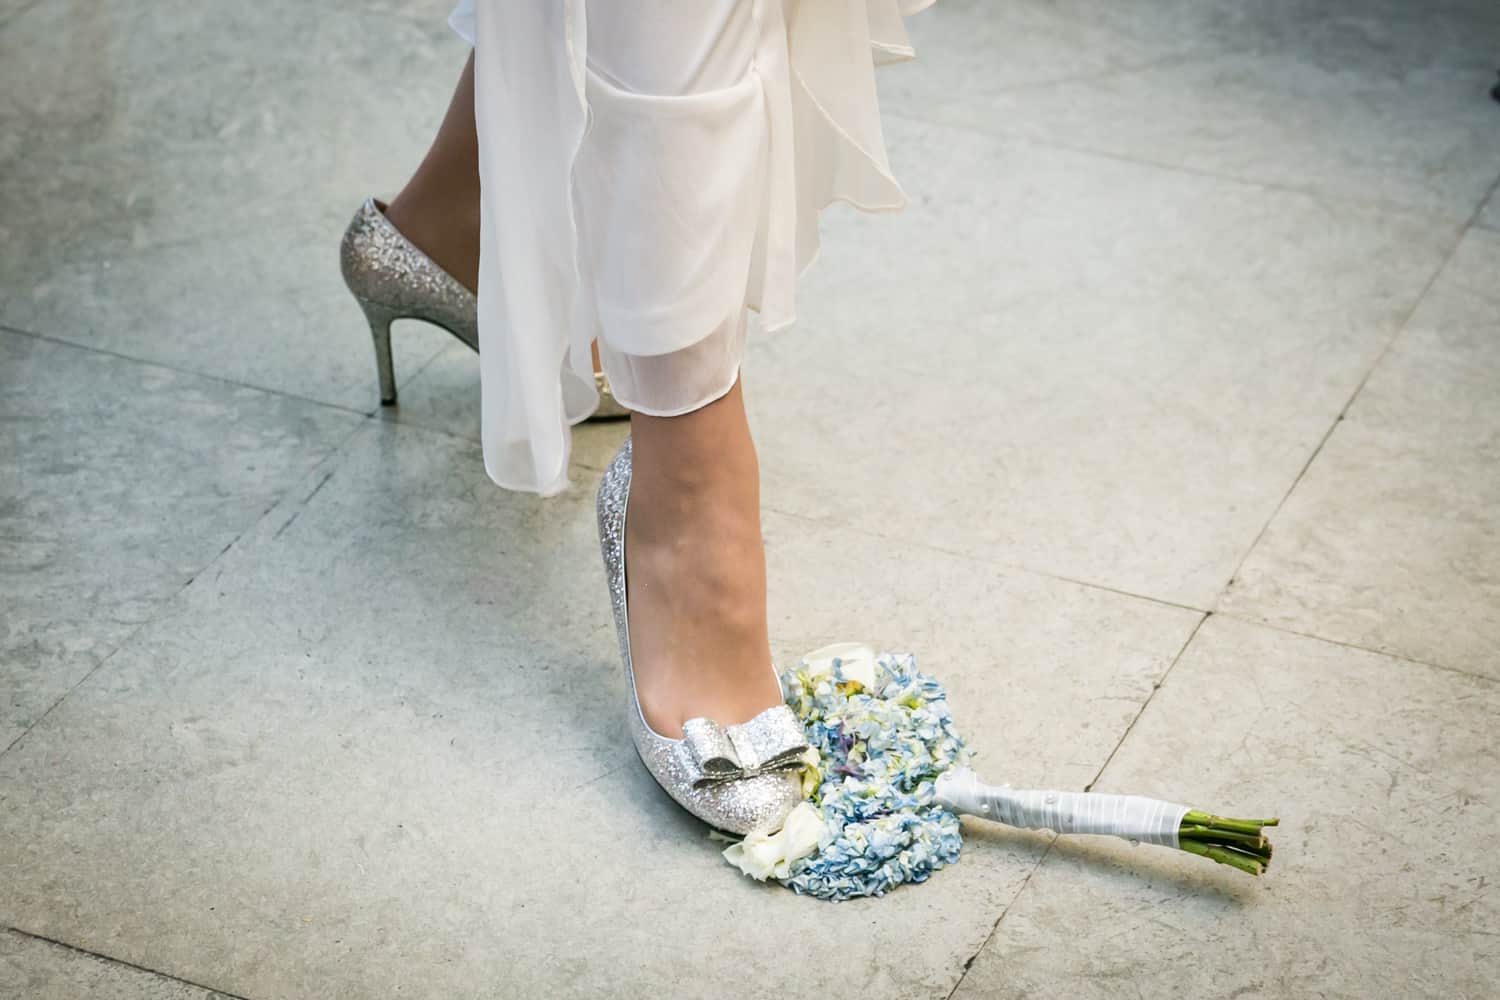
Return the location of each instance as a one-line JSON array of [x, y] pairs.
[[649, 171]]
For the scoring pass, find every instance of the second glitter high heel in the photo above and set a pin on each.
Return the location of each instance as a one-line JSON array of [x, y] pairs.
[[391, 279], [742, 778]]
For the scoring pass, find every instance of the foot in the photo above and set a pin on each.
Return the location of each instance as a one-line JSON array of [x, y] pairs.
[[696, 577], [448, 232]]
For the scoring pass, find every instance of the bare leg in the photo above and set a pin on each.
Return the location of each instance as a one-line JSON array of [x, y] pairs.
[[696, 568], [438, 210]]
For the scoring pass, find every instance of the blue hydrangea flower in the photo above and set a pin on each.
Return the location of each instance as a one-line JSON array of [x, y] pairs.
[[883, 735]]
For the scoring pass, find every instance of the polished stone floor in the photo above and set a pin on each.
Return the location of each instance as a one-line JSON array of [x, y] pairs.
[[1164, 426]]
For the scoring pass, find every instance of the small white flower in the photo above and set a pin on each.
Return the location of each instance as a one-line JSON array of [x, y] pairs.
[[770, 855]]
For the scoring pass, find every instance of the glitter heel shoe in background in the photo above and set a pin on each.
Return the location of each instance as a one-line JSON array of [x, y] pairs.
[[392, 279]]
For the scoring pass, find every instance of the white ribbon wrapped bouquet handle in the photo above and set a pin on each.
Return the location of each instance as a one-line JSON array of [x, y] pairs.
[[1131, 817]]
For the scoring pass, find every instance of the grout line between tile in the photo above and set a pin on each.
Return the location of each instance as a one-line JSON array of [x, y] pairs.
[[1092, 585], [987, 561], [1378, 204], [19, 12], [390, 415], [1493, 195], [1385, 350], [63, 342], [994, 930], [1197, 54], [1198, 627], [332, 457], [84, 679], [418, 373], [1163, 602], [120, 961], [1356, 647]]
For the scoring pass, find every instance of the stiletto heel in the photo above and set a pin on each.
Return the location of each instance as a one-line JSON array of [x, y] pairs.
[[380, 330], [743, 778]]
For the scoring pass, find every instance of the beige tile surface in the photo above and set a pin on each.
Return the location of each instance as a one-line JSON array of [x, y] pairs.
[[374, 747], [1090, 368], [33, 969], [380, 749], [178, 176], [972, 52], [1384, 774], [11, 10], [119, 482], [1392, 539], [1383, 101]]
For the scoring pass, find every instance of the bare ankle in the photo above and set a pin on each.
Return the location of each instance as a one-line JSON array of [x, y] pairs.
[[697, 577]]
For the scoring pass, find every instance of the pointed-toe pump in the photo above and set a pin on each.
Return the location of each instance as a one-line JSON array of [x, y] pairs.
[[392, 279], [741, 778]]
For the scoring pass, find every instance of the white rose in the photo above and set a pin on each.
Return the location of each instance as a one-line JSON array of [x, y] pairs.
[[768, 855]]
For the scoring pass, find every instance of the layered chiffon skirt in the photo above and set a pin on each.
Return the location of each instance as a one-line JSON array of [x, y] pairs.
[[650, 171]]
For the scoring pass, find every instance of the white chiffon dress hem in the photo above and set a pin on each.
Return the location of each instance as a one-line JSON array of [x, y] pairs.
[[649, 171]]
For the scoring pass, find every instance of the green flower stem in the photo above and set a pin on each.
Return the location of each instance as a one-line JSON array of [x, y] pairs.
[[1228, 836], [1239, 843], [1194, 818], [1261, 853], [1225, 856]]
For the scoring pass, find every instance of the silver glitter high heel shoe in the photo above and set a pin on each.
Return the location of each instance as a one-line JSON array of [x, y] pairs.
[[742, 778], [391, 279]]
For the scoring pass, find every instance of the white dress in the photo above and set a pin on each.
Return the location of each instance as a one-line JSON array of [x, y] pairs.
[[650, 170]]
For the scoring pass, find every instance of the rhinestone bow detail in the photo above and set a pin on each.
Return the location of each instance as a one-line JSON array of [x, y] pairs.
[[772, 741]]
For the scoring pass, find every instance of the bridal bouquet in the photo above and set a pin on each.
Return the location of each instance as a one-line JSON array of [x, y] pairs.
[[887, 777]]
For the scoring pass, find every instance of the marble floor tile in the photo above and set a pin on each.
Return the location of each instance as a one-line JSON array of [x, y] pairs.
[[1096, 369], [1383, 101], [33, 969], [975, 52], [178, 176], [1384, 775], [1392, 538], [380, 749], [119, 482]]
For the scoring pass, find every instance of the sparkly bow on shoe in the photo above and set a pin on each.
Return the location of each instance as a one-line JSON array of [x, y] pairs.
[[772, 741]]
